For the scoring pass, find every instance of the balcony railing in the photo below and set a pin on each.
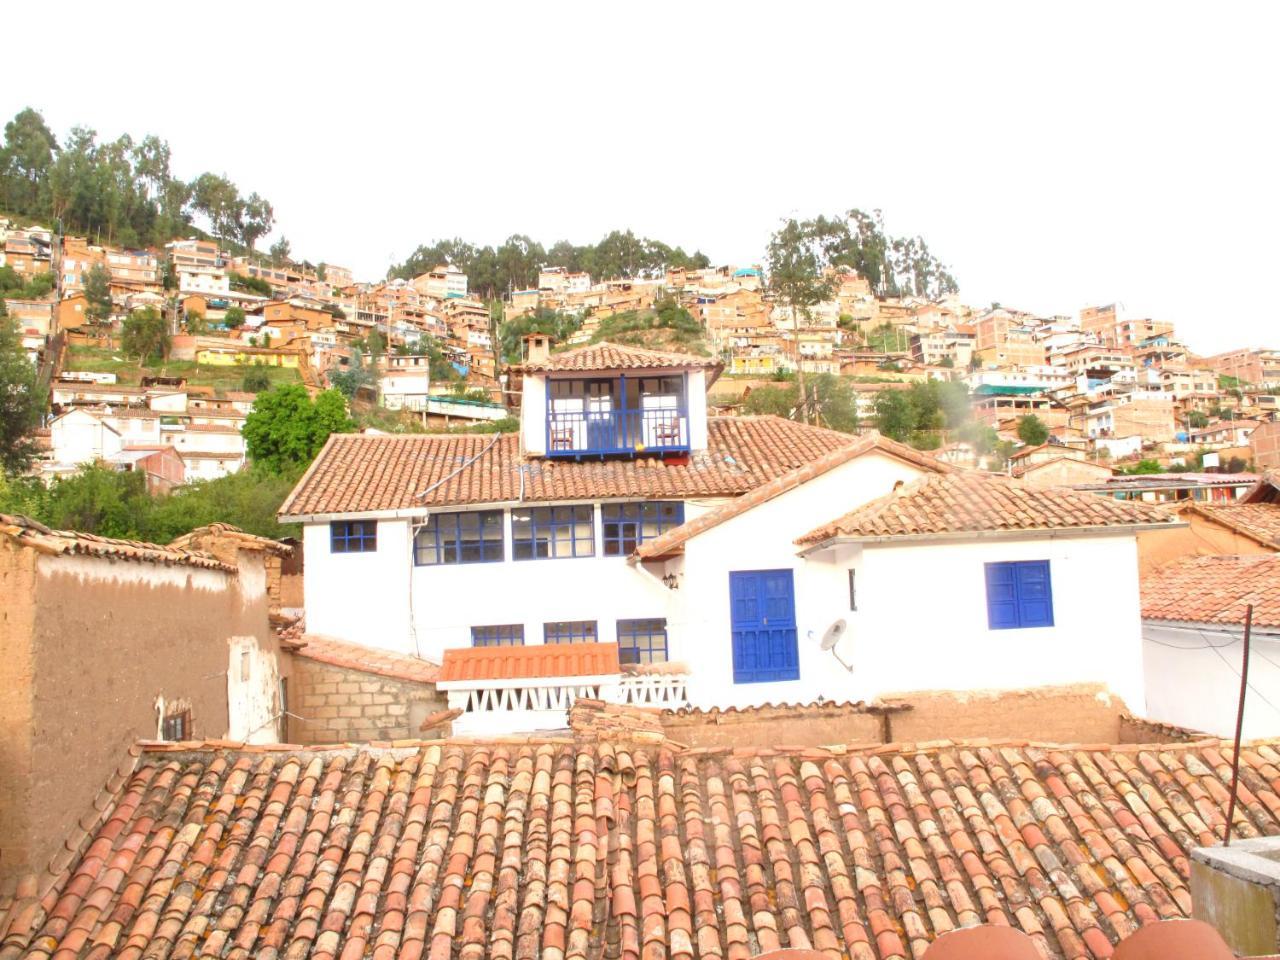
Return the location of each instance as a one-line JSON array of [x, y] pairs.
[[589, 433]]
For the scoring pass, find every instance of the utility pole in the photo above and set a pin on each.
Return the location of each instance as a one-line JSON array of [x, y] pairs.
[[1235, 749]]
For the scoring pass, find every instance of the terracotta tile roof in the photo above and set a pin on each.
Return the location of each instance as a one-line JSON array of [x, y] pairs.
[[543, 849], [616, 356], [957, 503], [29, 533], [1258, 521], [527, 663], [357, 473], [1266, 490], [1215, 590], [673, 540], [353, 656], [229, 532]]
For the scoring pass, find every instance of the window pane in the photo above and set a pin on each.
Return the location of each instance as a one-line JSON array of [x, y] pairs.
[[642, 641]]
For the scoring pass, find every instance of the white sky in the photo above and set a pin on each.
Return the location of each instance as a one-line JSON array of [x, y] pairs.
[[1103, 152]]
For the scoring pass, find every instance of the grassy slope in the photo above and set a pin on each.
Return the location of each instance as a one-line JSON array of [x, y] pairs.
[[128, 373]]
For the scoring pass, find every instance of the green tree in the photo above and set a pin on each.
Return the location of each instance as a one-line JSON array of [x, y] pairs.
[[145, 334], [218, 199], [233, 319], [832, 399], [1032, 430], [286, 428], [895, 414], [1143, 467], [1197, 420], [21, 400], [97, 294], [249, 499], [280, 251], [256, 219], [361, 372], [25, 159], [109, 503], [256, 380], [195, 323]]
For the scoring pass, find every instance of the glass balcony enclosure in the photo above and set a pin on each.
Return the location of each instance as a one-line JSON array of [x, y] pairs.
[[598, 416]]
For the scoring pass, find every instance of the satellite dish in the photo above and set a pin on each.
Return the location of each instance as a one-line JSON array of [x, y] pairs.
[[833, 634]]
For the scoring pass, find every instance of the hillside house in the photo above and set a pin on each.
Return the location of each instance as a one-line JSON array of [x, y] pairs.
[[664, 542]]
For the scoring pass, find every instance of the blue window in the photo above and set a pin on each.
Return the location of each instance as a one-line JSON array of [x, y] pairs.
[[569, 631], [498, 635], [642, 641], [459, 538], [353, 536], [627, 525], [542, 533], [1019, 594]]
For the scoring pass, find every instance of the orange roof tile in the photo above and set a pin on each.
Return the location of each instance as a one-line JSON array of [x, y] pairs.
[[353, 656], [357, 473], [974, 502], [531, 662], [545, 848], [1215, 589], [1257, 521], [671, 541], [29, 533], [616, 356]]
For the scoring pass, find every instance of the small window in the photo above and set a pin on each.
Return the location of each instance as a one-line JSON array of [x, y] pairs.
[[177, 726], [569, 631], [446, 538], [627, 525], [1019, 594], [542, 533], [498, 635], [642, 641], [353, 536]]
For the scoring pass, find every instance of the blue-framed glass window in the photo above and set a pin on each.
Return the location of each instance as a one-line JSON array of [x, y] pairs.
[[627, 525], [642, 641], [473, 537], [553, 533], [569, 631], [1019, 594], [498, 635], [353, 536]]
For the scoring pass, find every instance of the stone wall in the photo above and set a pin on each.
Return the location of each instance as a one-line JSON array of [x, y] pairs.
[[340, 705]]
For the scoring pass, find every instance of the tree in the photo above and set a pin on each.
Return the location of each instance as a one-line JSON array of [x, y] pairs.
[[834, 404], [25, 159], [145, 334], [195, 323], [280, 250], [99, 500], [233, 319], [1032, 430], [218, 199], [256, 380], [798, 259], [97, 294], [895, 414], [286, 429], [21, 400], [361, 372], [1197, 420], [256, 219]]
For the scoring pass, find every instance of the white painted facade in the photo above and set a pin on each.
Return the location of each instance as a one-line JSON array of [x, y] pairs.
[[80, 437], [1193, 677]]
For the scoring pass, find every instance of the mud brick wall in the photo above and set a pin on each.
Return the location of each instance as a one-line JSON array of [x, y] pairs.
[[340, 705]]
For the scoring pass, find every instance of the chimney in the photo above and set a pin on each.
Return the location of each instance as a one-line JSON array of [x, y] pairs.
[[1237, 890], [537, 347]]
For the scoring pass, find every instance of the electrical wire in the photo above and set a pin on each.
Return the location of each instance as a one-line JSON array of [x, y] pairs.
[[1217, 651]]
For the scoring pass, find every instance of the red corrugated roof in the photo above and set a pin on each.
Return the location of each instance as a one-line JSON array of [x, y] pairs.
[[526, 663]]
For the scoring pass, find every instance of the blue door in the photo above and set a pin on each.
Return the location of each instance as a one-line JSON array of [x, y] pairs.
[[762, 606]]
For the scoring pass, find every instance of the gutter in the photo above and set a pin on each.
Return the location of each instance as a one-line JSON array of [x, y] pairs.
[[977, 536]]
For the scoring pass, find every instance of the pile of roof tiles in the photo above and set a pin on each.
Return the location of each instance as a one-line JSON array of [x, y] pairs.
[[549, 849]]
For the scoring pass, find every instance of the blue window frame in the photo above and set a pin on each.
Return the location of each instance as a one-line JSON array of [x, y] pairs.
[[498, 635], [553, 533], [627, 525], [1019, 594], [353, 536], [642, 641], [474, 537], [569, 631]]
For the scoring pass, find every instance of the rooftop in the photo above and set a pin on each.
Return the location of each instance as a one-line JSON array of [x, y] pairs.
[[357, 473], [1215, 589], [29, 533], [543, 848], [969, 502], [354, 656], [531, 662], [614, 356], [1258, 521]]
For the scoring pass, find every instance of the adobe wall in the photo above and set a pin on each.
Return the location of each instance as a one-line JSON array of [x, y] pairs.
[[776, 726], [109, 639], [17, 613], [342, 706], [1202, 537]]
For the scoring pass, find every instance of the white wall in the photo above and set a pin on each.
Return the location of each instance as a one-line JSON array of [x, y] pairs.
[[763, 539], [80, 437], [1190, 685], [921, 622], [533, 414]]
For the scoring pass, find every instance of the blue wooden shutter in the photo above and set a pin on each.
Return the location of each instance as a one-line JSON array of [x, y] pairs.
[[1035, 594], [1002, 596]]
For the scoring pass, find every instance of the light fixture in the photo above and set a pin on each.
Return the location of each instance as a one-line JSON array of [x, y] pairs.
[[671, 581]]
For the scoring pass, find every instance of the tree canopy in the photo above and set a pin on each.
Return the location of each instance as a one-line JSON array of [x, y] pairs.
[[121, 191], [514, 265], [831, 401], [21, 401], [1032, 430], [286, 428]]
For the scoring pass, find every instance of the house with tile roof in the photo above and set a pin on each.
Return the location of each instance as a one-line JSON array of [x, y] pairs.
[[1193, 614], [623, 515]]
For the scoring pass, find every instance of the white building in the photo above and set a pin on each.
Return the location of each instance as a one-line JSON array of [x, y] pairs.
[[445, 282], [675, 546], [1193, 613], [404, 382]]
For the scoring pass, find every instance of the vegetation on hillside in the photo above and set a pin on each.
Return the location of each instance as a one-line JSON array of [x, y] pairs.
[[832, 401], [21, 400], [668, 326]]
